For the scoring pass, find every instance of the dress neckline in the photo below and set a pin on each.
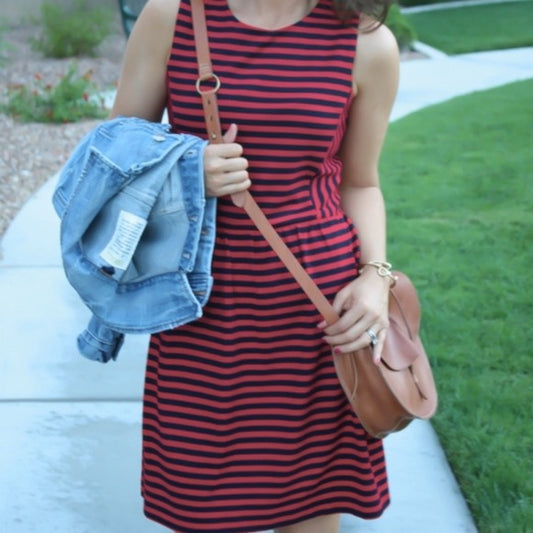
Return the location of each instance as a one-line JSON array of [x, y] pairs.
[[267, 30]]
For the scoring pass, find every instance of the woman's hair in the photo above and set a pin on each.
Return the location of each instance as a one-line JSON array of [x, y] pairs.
[[377, 9]]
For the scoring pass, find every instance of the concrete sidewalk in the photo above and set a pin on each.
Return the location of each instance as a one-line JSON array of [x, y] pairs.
[[71, 435]]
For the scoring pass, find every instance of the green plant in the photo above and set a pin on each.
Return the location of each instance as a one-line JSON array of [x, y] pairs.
[[70, 100], [73, 31], [409, 3], [476, 27], [457, 178], [401, 27], [4, 46]]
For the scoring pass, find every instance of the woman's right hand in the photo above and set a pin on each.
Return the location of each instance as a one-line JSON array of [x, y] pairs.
[[225, 170]]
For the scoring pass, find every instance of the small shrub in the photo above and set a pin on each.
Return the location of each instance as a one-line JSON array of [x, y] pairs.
[[4, 46], [74, 31], [72, 99], [402, 29]]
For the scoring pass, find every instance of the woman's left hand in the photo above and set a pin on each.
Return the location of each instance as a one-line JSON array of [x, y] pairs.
[[362, 306]]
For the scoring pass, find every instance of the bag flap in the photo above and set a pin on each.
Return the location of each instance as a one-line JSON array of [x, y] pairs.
[[400, 350]]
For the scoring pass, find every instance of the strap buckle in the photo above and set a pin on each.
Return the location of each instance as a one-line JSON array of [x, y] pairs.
[[212, 87]]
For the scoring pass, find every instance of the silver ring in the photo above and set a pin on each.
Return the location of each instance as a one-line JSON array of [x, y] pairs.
[[373, 337]]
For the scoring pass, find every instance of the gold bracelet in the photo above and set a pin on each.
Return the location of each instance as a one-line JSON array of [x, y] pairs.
[[383, 269]]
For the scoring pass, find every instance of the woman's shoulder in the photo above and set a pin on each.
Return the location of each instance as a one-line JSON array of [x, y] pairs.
[[376, 41], [159, 14], [377, 52], [160, 10], [154, 27], [162, 6], [142, 85]]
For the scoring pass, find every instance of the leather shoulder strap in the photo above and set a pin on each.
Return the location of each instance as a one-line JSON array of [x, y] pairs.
[[245, 199], [206, 75]]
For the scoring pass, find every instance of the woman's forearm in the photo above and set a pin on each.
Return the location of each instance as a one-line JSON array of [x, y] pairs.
[[366, 207]]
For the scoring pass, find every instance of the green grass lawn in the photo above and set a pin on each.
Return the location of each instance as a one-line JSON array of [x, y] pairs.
[[476, 28], [458, 179]]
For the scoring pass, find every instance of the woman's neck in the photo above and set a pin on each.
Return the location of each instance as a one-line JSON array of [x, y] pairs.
[[271, 14]]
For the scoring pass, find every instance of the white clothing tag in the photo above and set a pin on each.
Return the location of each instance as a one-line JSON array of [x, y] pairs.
[[121, 247]]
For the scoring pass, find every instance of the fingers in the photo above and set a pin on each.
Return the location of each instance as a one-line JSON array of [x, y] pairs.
[[225, 174], [354, 320], [378, 349], [363, 309], [351, 340], [359, 326], [225, 169], [231, 134]]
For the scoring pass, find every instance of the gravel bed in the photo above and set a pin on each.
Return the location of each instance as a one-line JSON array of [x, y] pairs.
[[31, 153]]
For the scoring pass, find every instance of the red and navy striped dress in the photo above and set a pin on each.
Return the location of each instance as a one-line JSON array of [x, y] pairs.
[[245, 425]]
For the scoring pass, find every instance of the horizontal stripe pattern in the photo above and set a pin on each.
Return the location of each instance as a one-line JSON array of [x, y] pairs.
[[245, 426]]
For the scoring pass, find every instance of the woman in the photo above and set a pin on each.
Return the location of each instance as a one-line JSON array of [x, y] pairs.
[[245, 425]]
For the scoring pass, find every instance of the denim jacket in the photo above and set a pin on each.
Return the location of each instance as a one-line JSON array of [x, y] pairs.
[[137, 233]]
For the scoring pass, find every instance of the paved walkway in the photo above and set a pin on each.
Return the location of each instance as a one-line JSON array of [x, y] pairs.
[[70, 443]]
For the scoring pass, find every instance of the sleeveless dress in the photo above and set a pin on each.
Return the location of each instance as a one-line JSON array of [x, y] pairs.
[[245, 426]]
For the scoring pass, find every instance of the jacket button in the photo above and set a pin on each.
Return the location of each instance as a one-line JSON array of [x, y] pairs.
[[159, 138]]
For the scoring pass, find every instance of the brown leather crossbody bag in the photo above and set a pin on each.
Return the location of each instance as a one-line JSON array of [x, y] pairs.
[[386, 396]]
